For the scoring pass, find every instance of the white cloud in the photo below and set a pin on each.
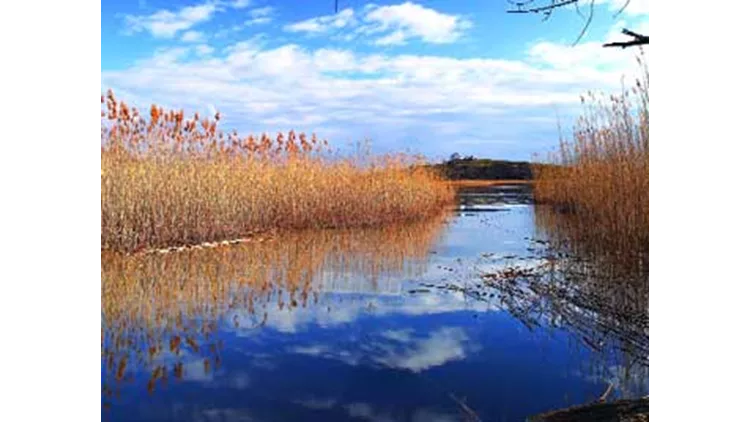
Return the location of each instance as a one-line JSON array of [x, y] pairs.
[[390, 25], [398, 335], [403, 350], [240, 380], [334, 60], [257, 21], [260, 16], [204, 49], [226, 414], [615, 8], [315, 403], [323, 23], [642, 27], [366, 412], [192, 36], [344, 95], [240, 4], [261, 12], [166, 24], [440, 347], [394, 38], [315, 350], [227, 30], [632, 7], [194, 370], [409, 20]]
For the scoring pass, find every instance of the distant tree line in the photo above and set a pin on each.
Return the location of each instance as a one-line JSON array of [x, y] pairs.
[[471, 168]]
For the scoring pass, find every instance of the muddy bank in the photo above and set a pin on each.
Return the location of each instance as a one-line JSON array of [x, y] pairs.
[[635, 410]]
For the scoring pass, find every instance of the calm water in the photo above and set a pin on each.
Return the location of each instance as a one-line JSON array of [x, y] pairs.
[[378, 325]]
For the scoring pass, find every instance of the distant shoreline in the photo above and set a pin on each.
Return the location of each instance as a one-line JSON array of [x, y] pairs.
[[479, 183], [471, 168]]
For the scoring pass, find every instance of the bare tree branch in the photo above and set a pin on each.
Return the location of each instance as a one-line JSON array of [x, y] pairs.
[[622, 9], [638, 39], [526, 6], [588, 22], [553, 5]]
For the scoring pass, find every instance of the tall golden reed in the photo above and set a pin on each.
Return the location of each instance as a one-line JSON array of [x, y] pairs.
[[172, 179], [601, 181]]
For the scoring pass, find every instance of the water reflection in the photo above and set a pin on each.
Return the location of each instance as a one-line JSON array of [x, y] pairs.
[[160, 313], [589, 287], [388, 324]]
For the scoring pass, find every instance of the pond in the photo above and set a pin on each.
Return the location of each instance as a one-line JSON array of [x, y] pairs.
[[392, 324]]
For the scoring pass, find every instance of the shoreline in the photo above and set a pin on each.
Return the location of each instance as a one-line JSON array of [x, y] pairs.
[[260, 236], [256, 237], [625, 410], [479, 183]]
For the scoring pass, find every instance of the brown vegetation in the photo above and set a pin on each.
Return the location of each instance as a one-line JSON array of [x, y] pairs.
[[599, 192], [174, 179]]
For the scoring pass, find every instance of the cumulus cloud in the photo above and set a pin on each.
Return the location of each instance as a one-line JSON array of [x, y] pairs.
[[192, 36], [204, 49], [323, 24], [300, 319], [398, 335], [227, 414], [629, 7], [240, 4], [166, 24], [430, 102], [364, 411], [408, 20], [260, 16], [403, 350], [388, 24], [440, 347]]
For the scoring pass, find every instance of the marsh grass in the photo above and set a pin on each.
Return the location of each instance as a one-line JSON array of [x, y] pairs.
[[162, 312], [599, 191], [172, 180]]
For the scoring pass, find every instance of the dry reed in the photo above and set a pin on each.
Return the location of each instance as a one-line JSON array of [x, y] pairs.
[[172, 180], [599, 189]]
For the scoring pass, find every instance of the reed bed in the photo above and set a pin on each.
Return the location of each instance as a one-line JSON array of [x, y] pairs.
[[171, 180], [161, 311], [599, 188]]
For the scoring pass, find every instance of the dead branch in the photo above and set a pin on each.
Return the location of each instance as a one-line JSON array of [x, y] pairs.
[[638, 39], [527, 6], [604, 396], [471, 414], [547, 8]]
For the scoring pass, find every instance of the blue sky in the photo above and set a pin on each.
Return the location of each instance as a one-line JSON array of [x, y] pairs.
[[432, 77]]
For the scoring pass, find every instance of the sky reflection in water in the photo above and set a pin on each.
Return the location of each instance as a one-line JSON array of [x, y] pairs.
[[338, 326]]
